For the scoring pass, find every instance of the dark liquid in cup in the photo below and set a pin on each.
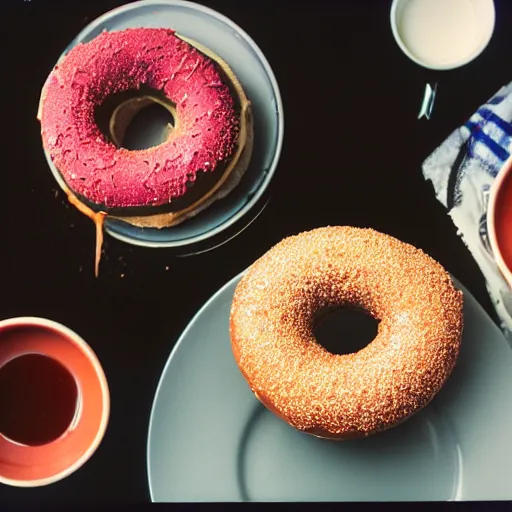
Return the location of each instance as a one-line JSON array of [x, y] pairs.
[[38, 399], [503, 220]]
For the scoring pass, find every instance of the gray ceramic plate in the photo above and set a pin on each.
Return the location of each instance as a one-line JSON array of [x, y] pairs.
[[230, 42], [211, 440]]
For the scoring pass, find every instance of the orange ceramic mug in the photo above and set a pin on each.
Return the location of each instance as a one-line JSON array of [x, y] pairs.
[[499, 220], [54, 402]]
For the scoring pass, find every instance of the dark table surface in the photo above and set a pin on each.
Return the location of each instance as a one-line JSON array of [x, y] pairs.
[[352, 155]]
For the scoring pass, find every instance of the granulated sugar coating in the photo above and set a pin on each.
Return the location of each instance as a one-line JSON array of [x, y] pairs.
[[345, 396], [205, 135]]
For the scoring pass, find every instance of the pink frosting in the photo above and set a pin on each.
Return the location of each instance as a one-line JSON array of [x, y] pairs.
[[114, 62]]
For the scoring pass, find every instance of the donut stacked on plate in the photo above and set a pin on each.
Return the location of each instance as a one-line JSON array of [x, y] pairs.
[[98, 87], [280, 298]]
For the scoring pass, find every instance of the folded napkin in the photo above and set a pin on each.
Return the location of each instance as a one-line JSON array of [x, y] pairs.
[[462, 170]]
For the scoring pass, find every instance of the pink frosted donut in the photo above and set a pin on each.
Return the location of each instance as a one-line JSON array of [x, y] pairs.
[[102, 174]]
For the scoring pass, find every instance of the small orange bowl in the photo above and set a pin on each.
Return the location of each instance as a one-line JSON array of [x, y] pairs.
[[54, 402], [499, 220]]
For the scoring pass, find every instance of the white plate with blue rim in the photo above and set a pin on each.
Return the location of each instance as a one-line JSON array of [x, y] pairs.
[[229, 41], [210, 439]]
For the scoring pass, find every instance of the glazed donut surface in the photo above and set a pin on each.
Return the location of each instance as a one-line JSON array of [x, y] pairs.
[[204, 138], [276, 304]]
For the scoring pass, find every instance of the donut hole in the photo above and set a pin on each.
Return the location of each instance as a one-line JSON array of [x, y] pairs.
[[137, 120], [150, 127], [343, 330]]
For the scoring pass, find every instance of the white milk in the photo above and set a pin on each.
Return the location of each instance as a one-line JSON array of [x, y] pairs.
[[440, 32]]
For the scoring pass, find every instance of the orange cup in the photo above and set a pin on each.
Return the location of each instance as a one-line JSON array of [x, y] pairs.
[[54, 402], [499, 220]]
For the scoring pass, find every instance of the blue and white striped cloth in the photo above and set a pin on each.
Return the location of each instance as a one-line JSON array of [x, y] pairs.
[[462, 170]]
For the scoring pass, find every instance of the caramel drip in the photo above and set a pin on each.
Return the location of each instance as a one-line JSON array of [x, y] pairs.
[[99, 221]]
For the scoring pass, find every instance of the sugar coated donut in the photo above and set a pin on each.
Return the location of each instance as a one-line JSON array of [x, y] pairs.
[[98, 87], [279, 299]]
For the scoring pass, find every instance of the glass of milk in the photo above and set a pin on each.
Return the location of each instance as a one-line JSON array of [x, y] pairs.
[[442, 34]]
